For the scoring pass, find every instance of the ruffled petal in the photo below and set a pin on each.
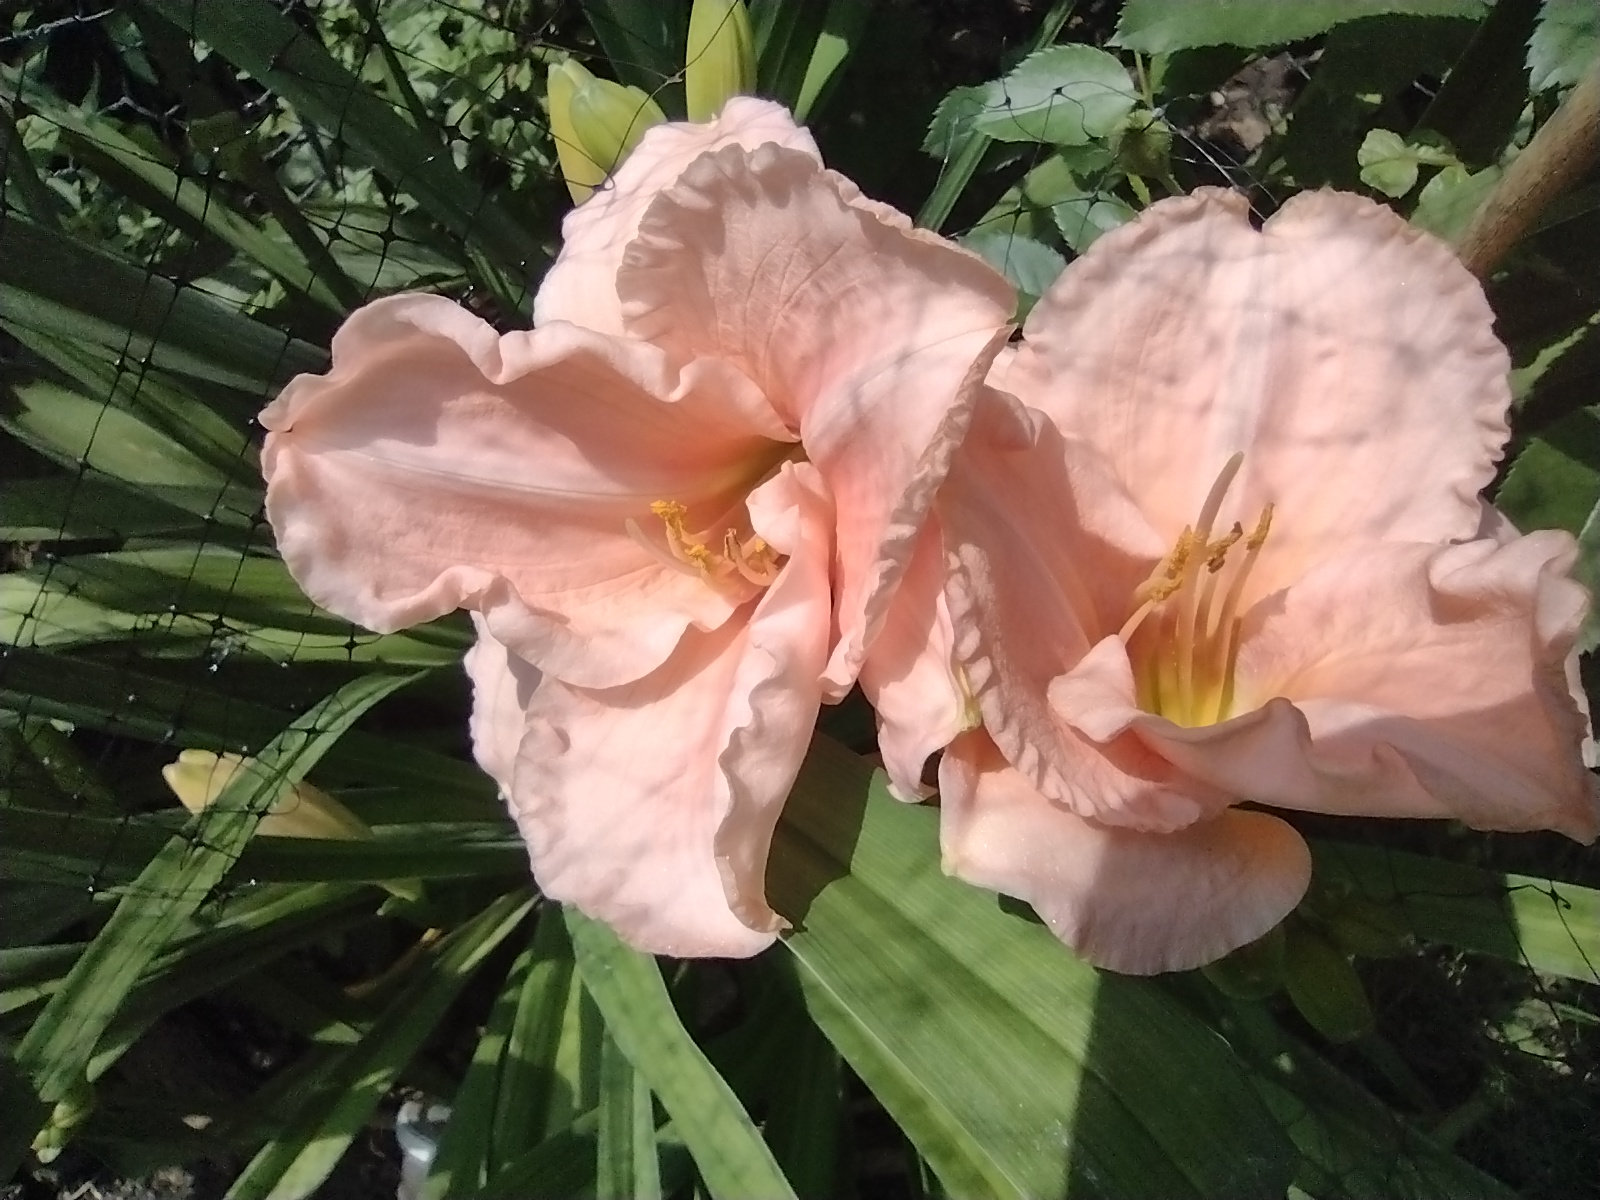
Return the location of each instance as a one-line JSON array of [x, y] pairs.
[[581, 286], [910, 675], [651, 806], [1398, 681], [1437, 681], [502, 689], [1139, 903], [870, 337], [439, 465], [1347, 354], [1031, 589]]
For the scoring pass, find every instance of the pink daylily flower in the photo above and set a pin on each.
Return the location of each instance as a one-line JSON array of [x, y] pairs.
[[677, 508], [1233, 550]]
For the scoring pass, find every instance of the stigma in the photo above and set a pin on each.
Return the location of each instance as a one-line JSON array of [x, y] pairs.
[[1183, 633], [748, 558]]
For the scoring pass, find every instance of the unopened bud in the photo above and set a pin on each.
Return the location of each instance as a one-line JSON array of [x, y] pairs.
[[199, 776], [595, 122], [721, 59]]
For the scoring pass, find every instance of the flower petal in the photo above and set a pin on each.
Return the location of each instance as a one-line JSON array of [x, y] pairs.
[[1437, 681], [869, 336], [651, 806], [580, 285], [1349, 355], [1033, 583], [439, 465], [1135, 902], [1399, 681], [910, 676], [502, 689]]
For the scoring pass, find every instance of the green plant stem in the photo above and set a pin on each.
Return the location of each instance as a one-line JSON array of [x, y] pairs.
[[1565, 148]]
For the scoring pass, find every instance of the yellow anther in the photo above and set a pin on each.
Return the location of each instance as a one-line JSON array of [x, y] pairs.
[[754, 560], [1263, 526], [1183, 632], [1217, 552]]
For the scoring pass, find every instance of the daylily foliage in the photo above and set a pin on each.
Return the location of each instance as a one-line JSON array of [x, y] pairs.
[[1215, 538]]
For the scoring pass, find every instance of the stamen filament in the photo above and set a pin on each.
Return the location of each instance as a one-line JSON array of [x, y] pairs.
[[659, 553], [1189, 613], [1185, 654], [753, 560]]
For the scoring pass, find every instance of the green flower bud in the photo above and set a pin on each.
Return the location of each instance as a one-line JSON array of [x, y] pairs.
[[1143, 144], [1254, 971], [721, 60], [595, 122], [1325, 987]]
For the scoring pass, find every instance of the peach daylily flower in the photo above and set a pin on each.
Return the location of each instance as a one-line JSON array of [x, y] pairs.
[[677, 508], [1233, 550]]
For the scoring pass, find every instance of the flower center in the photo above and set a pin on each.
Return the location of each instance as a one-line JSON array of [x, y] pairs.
[[749, 558], [1183, 636]]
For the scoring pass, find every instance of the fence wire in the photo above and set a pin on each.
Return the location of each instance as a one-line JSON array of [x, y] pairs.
[[179, 235]]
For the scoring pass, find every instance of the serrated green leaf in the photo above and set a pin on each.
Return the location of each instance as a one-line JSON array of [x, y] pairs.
[[1030, 266], [1565, 42], [1448, 200], [1162, 26], [1555, 481], [966, 150], [1084, 217], [627, 986], [1015, 1069], [1062, 95]]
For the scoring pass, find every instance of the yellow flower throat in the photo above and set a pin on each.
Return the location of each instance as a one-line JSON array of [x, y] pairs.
[[750, 558], [1183, 636]]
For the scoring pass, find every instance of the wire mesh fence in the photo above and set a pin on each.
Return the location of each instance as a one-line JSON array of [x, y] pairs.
[[194, 195]]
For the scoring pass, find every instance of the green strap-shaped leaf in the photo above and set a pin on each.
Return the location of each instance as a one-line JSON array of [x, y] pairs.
[[466, 1147], [296, 1161], [257, 37], [1548, 925], [167, 892], [114, 699], [139, 174], [1015, 1069], [57, 285], [645, 41], [625, 1140], [627, 986]]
